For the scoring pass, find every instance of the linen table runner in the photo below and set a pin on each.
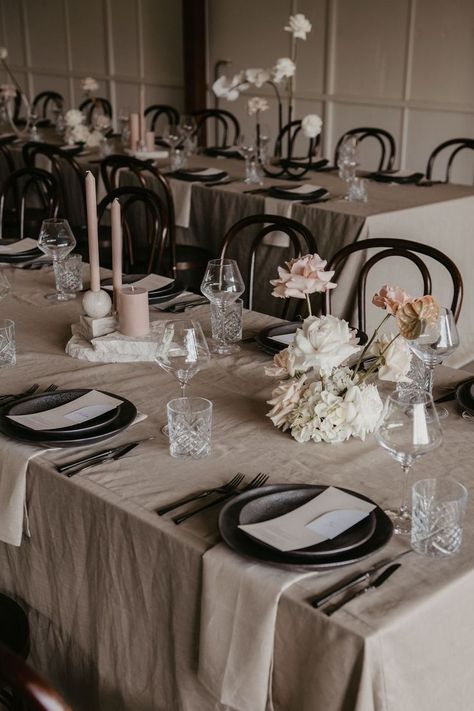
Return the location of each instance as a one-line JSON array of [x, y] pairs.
[[238, 627]]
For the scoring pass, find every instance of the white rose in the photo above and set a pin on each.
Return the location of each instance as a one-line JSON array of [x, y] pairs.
[[94, 139], [3, 53], [283, 69], [299, 26], [396, 358], [8, 91], [256, 104], [73, 117], [311, 125], [323, 343], [89, 84], [363, 408], [257, 77]]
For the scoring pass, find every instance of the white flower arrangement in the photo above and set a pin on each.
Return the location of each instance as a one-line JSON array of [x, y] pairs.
[[299, 26], [89, 85], [256, 104], [311, 125], [73, 118], [319, 398]]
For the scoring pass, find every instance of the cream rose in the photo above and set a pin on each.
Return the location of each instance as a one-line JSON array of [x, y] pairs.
[[323, 343], [311, 125], [73, 117], [299, 26], [396, 358]]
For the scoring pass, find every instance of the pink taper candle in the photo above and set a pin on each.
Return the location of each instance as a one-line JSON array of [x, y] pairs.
[[142, 114], [92, 236], [134, 131], [117, 247]]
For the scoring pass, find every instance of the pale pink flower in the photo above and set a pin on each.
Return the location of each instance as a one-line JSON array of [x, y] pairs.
[[285, 397], [390, 298], [304, 275], [281, 366]]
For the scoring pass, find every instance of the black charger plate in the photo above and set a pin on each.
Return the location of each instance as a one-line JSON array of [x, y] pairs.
[[400, 179], [21, 256], [283, 194], [236, 539], [465, 396], [88, 433], [192, 175]]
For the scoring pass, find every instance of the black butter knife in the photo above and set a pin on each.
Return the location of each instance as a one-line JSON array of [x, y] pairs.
[[113, 453], [382, 578]]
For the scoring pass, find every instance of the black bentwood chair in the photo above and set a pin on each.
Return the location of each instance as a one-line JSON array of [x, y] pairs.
[[224, 123], [384, 139], [91, 107], [156, 112], [27, 197], [45, 104], [245, 242], [456, 145], [389, 247]]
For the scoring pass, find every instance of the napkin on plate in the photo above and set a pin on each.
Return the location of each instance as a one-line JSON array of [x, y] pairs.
[[200, 174], [299, 192], [149, 155], [238, 627]]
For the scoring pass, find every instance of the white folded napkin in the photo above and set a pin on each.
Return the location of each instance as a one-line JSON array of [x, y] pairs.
[[238, 627], [182, 191], [14, 458], [149, 155]]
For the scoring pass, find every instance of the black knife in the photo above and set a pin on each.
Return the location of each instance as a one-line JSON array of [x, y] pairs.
[[98, 456], [320, 600], [120, 452], [382, 578]]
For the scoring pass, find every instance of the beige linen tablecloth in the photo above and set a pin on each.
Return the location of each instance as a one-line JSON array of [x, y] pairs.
[[114, 591]]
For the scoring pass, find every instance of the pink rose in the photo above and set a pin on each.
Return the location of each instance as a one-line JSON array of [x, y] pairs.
[[305, 275], [390, 298]]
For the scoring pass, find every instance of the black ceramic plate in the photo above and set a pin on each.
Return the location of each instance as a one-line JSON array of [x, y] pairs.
[[264, 338], [283, 194], [123, 417], [236, 539], [230, 152], [155, 296], [388, 177], [270, 506], [21, 256], [193, 175], [465, 396]]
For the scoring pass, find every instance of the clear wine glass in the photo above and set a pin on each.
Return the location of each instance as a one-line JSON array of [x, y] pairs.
[[172, 137], [409, 427], [222, 285], [248, 149], [348, 159], [434, 344], [183, 350], [187, 128], [56, 240]]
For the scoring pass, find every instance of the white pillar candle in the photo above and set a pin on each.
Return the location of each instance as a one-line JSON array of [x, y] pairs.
[[117, 247], [150, 141], [134, 319], [134, 131], [92, 235]]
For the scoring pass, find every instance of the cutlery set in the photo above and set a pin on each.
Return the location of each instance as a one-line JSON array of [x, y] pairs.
[[357, 580], [225, 491], [181, 306], [78, 465]]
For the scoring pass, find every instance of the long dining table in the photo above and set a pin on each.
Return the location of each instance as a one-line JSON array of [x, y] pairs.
[[113, 591]]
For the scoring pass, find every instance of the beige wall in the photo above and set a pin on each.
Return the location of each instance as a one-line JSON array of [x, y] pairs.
[[403, 65], [122, 43]]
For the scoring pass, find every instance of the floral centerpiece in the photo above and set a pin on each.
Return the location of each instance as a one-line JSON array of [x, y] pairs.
[[75, 129], [282, 74], [8, 93], [319, 397]]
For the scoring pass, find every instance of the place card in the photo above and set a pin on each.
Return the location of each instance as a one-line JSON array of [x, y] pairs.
[[324, 517], [285, 338], [303, 190], [22, 245], [84, 408], [149, 282]]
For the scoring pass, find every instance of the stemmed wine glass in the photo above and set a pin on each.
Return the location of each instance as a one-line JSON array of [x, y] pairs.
[[248, 149], [222, 285], [409, 428], [182, 351], [434, 344], [187, 128], [56, 240]]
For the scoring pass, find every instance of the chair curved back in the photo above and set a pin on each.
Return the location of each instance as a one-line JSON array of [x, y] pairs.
[[6, 156], [97, 105], [26, 686], [250, 232], [158, 110], [227, 127], [392, 247], [384, 139], [45, 102], [288, 135], [69, 175], [31, 195], [457, 145], [137, 203]]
